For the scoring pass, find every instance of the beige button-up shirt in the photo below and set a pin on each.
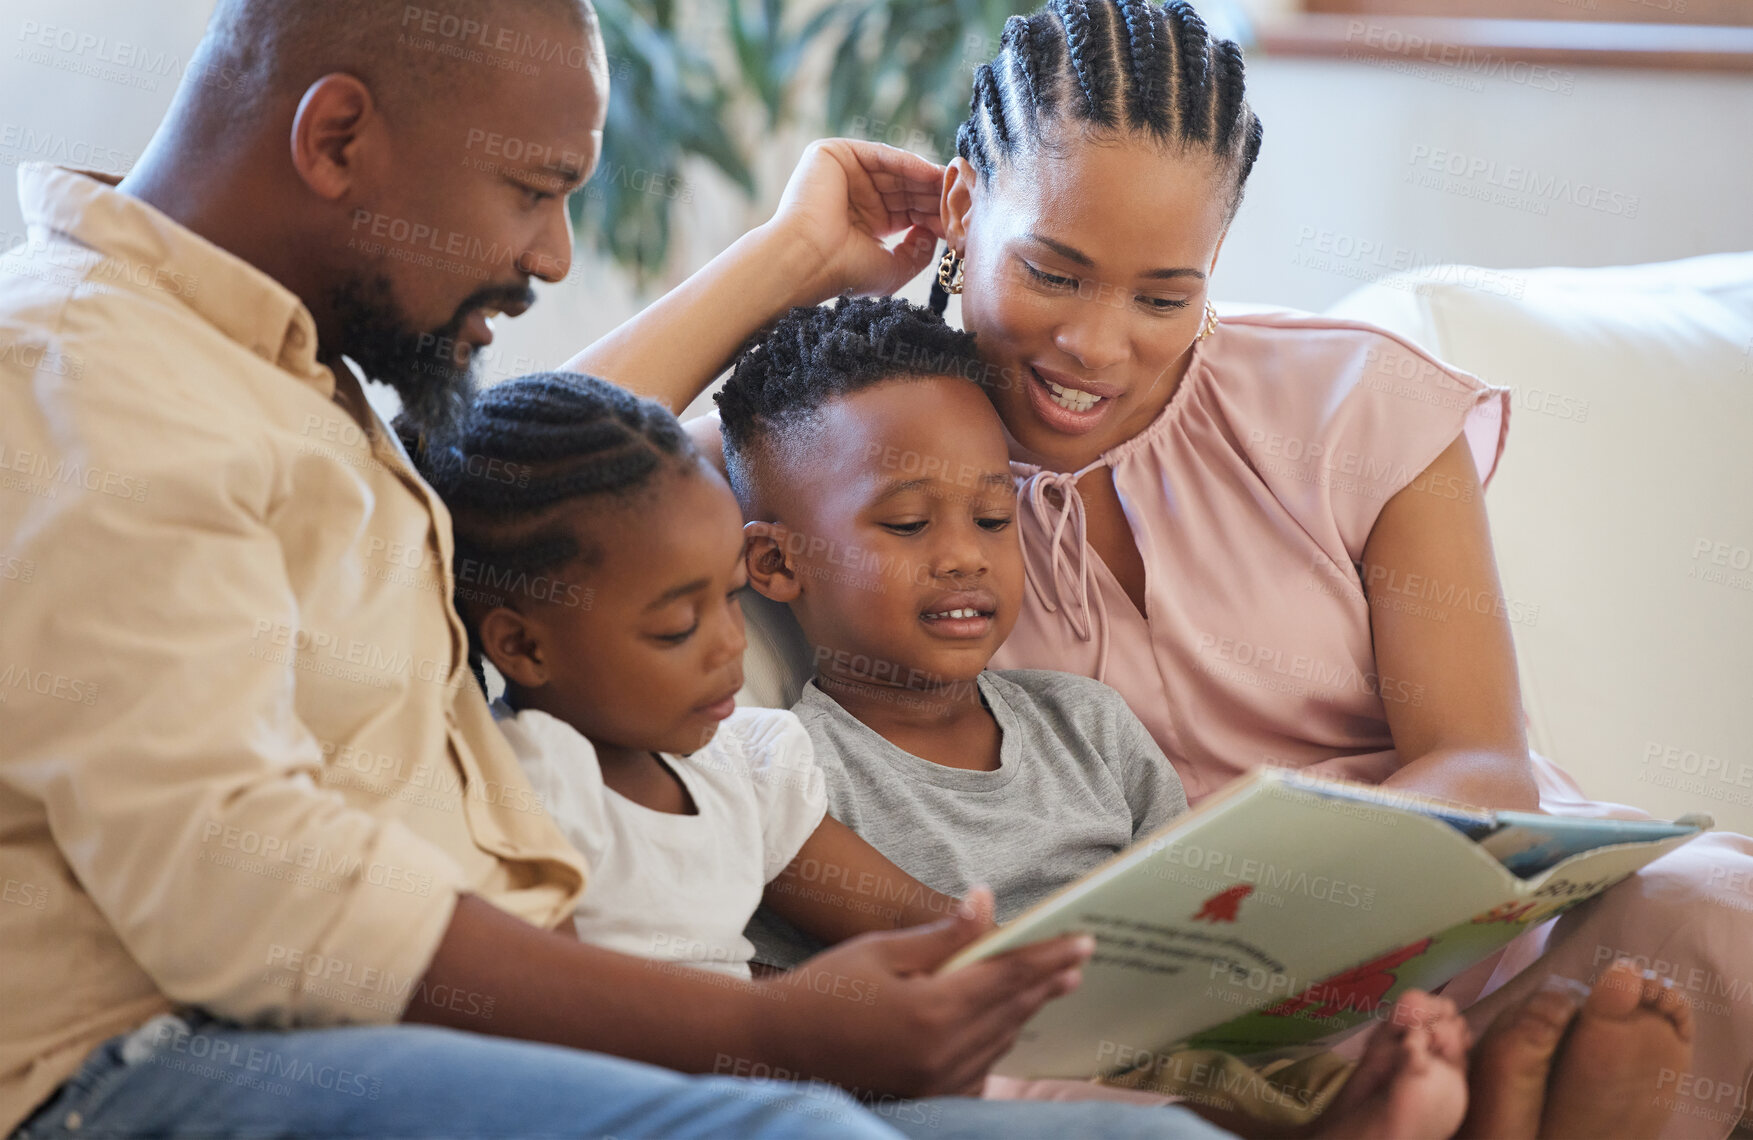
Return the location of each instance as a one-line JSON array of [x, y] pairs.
[[243, 764]]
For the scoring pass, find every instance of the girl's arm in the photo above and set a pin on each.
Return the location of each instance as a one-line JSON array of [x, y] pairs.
[[917, 1033], [843, 201], [1447, 670], [839, 886]]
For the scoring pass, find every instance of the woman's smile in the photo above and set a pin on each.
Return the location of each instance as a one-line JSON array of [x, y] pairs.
[[1069, 405]]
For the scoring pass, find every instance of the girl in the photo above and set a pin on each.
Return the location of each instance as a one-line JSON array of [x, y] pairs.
[[1223, 519], [598, 562]]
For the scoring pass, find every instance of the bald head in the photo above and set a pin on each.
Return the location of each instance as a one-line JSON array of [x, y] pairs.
[[403, 167], [413, 54]]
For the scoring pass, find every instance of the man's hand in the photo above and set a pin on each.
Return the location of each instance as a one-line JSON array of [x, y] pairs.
[[843, 200], [874, 1014], [919, 1034]]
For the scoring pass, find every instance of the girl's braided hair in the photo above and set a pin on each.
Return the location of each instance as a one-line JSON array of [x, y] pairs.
[[527, 453]]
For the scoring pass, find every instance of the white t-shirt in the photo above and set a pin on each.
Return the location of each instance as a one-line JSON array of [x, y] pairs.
[[679, 887]]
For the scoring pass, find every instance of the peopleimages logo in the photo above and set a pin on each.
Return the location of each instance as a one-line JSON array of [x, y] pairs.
[[1509, 184], [96, 56], [1463, 61], [471, 39], [1367, 259], [27, 143], [1725, 563]]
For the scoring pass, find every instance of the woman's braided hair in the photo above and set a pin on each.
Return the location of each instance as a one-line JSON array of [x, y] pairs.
[[527, 452], [1118, 65]]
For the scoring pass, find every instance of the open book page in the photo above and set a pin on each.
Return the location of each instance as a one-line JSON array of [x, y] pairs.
[[1528, 844], [1278, 915], [1525, 842], [1317, 1012], [1474, 823]]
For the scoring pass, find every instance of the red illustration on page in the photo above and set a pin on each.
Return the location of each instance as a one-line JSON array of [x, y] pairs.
[[1223, 907]]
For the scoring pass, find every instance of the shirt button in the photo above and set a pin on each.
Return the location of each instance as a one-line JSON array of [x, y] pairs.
[[74, 1120]]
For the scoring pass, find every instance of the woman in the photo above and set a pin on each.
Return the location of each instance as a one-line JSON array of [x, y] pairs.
[[1223, 519]]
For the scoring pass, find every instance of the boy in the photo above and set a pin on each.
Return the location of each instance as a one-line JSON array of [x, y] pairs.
[[878, 476]]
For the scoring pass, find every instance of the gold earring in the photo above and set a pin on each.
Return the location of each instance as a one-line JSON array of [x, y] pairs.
[[949, 271], [1210, 324]]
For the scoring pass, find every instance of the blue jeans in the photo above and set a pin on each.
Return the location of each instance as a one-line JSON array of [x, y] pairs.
[[196, 1077]]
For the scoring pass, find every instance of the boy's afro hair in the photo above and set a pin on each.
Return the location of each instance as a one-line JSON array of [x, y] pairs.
[[820, 353]]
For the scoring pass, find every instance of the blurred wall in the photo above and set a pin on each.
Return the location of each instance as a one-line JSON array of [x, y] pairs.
[[1365, 169]]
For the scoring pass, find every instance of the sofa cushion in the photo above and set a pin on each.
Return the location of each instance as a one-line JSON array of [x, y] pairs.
[[776, 663], [1622, 511]]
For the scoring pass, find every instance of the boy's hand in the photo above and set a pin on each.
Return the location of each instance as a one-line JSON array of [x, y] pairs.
[[844, 198], [873, 1014]]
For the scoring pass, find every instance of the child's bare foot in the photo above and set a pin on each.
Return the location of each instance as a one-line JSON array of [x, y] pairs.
[[1604, 1083], [1412, 1080], [1506, 1088]]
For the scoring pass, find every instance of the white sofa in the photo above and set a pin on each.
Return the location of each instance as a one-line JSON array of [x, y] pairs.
[[1622, 514], [1623, 509]]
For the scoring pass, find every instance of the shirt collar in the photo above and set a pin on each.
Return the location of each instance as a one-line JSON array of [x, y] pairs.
[[241, 301], [1056, 558]]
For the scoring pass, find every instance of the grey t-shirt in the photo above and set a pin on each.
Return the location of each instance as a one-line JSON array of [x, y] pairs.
[[1078, 780]]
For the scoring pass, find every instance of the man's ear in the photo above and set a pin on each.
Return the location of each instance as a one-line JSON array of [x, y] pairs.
[[326, 129], [956, 202], [514, 645], [766, 553]]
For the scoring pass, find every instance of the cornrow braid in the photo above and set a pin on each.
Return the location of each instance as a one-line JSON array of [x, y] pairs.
[[1092, 63], [529, 451], [986, 91], [1192, 53], [818, 354], [1116, 65], [1228, 111], [1146, 65], [1018, 45]]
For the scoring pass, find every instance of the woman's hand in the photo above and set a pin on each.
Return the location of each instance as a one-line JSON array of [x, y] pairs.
[[843, 201], [827, 237]]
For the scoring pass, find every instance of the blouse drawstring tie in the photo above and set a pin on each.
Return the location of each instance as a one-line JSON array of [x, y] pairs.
[[1050, 579]]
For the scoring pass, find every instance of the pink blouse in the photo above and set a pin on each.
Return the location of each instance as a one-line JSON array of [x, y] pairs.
[[1251, 497]]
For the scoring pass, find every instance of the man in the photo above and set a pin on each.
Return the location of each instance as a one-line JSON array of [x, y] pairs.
[[267, 851]]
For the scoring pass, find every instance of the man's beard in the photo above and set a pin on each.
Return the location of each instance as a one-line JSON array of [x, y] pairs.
[[436, 391]]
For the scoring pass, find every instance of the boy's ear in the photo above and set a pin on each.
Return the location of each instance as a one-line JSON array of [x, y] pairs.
[[956, 202], [514, 646], [765, 552]]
